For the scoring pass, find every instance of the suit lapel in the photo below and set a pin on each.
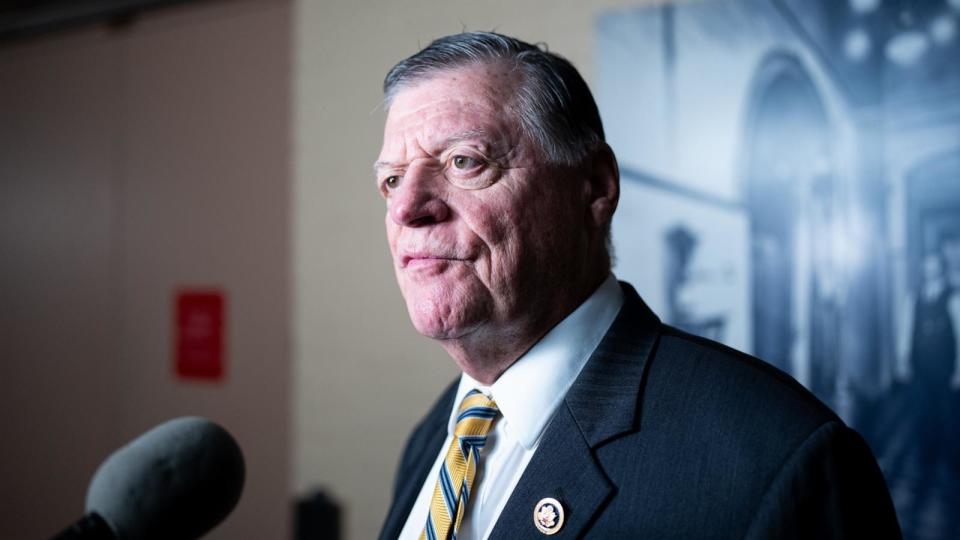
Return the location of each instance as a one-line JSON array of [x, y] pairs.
[[601, 405], [562, 469], [605, 398]]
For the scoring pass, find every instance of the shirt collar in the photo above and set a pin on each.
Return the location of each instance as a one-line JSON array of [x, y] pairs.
[[529, 392]]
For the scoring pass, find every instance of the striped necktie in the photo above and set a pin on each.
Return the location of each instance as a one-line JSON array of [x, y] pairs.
[[459, 468]]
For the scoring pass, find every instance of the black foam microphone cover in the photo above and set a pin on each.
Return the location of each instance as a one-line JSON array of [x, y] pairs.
[[176, 481]]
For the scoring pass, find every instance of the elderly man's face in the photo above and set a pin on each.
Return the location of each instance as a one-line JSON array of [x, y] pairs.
[[481, 230]]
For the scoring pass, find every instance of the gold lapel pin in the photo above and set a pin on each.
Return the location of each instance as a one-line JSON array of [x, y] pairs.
[[548, 516]]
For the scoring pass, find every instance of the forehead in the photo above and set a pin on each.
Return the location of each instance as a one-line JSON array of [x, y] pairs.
[[466, 102]]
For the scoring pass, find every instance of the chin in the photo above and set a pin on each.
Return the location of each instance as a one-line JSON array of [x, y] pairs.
[[434, 327], [445, 309], [437, 321], [434, 332]]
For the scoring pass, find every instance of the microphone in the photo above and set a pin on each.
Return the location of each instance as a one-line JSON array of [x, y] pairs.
[[176, 481]]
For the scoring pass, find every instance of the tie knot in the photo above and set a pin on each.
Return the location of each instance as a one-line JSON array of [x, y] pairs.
[[476, 415]]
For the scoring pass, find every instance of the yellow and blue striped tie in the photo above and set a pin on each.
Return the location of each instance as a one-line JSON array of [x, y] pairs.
[[459, 468]]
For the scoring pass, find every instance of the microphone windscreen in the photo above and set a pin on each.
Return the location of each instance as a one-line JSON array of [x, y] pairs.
[[178, 480]]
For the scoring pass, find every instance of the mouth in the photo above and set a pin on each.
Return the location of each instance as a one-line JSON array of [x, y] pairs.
[[414, 260]]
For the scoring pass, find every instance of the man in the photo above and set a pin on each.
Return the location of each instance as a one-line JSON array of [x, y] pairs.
[[577, 414], [932, 362]]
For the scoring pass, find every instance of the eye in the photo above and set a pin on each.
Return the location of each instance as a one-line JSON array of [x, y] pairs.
[[391, 182], [464, 162], [468, 172]]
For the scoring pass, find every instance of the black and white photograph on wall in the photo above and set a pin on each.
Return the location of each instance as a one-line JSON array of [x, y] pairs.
[[790, 177]]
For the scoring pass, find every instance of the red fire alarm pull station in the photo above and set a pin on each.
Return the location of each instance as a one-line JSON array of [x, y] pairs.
[[199, 327]]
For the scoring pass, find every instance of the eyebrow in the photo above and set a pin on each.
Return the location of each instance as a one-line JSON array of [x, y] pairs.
[[449, 141]]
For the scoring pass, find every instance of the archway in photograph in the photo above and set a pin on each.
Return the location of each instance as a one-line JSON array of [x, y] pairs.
[[790, 193]]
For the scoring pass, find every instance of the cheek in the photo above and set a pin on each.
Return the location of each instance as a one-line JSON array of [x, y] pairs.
[[542, 239], [555, 215], [491, 221], [494, 229], [392, 231]]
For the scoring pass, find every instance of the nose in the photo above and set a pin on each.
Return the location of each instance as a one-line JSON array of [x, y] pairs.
[[417, 202]]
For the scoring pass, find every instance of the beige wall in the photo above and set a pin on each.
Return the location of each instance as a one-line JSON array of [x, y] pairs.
[[138, 160], [134, 161], [362, 376]]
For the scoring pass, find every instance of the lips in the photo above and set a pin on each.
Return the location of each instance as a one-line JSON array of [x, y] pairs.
[[424, 259]]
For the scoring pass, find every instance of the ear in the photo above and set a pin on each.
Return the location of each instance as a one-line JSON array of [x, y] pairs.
[[602, 187]]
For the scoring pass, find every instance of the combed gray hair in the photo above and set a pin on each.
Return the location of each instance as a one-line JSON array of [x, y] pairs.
[[553, 103]]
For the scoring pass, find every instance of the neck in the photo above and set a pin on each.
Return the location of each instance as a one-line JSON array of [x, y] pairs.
[[488, 352]]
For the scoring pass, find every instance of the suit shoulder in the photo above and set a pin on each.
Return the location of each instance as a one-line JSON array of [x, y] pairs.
[[831, 482], [730, 382]]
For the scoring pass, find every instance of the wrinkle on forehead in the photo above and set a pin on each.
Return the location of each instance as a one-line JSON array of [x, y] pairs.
[[427, 118]]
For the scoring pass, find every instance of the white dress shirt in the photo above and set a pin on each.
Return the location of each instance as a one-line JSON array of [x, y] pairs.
[[527, 395]]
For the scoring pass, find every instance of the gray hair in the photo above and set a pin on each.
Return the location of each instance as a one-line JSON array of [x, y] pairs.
[[553, 103]]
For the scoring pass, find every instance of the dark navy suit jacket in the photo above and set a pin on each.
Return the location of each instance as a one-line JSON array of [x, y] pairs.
[[667, 435]]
